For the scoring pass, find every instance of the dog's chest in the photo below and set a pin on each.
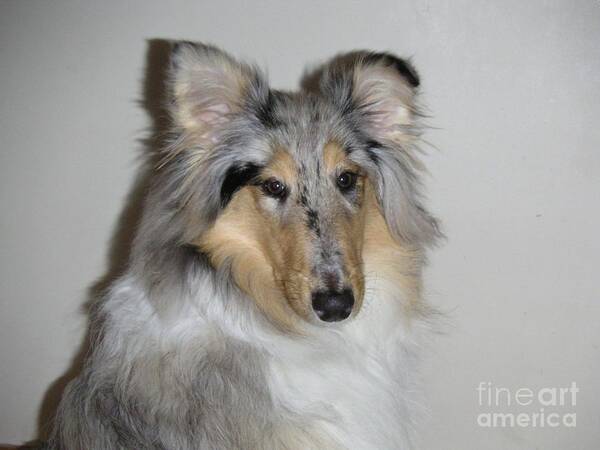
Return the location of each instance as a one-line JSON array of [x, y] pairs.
[[359, 393]]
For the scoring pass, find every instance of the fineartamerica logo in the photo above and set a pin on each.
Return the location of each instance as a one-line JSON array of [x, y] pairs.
[[524, 407]]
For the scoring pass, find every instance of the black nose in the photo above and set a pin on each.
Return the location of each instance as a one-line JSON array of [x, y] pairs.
[[333, 306]]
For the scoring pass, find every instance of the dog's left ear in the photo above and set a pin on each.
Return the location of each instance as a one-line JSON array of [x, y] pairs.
[[379, 87], [384, 88], [376, 92]]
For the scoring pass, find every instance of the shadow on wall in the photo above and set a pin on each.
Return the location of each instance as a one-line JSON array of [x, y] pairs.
[[153, 101]]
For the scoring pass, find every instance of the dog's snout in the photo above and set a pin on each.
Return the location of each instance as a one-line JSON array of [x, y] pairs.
[[333, 306]]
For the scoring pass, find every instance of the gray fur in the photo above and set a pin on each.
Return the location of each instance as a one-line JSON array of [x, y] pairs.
[[210, 391]]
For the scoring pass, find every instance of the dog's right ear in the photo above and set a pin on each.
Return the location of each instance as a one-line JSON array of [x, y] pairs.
[[208, 88]]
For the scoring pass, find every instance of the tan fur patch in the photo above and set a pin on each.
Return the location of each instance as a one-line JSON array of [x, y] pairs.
[[386, 257], [268, 259], [283, 167], [241, 237], [333, 154], [351, 237]]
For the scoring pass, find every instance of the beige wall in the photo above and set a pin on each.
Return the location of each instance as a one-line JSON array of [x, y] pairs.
[[514, 90]]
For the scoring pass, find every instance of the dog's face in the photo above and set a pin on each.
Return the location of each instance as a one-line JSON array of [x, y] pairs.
[[293, 192], [301, 218]]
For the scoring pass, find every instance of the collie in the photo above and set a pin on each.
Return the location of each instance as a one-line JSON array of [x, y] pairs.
[[273, 295]]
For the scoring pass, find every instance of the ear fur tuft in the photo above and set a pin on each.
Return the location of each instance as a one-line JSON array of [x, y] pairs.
[[208, 87]]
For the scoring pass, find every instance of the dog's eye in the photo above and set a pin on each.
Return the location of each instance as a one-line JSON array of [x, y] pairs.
[[274, 188], [346, 181]]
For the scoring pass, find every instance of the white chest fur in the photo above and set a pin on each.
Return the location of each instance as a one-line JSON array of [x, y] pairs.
[[356, 382]]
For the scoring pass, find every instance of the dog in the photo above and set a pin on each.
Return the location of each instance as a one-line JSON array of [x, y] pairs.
[[273, 297]]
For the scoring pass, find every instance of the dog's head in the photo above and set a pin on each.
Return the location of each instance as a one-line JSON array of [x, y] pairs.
[[293, 192]]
